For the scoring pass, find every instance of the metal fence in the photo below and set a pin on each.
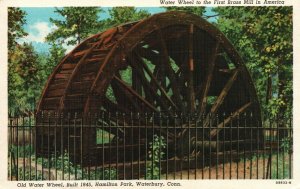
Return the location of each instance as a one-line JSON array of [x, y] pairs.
[[105, 146]]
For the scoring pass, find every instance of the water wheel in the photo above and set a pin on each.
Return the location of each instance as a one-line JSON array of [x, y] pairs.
[[171, 63]]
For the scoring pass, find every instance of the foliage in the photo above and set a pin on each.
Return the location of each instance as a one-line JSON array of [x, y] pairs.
[[49, 61], [155, 154], [29, 175], [21, 151], [24, 81], [195, 10], [16, 20], [263, 35], [121, 15], [63, 163], [77, 24], [286, 144]]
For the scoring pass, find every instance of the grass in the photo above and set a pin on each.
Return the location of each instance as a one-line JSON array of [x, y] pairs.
[[103, 137]]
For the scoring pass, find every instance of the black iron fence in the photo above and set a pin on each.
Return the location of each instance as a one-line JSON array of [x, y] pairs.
[[104, 146]]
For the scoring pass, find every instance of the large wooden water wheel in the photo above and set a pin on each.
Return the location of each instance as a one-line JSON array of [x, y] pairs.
[[171, 63]]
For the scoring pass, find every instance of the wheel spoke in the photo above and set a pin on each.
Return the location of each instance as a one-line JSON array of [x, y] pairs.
[[224, 92], [229, 119], [206, 84], [169, 70], [159, 87], [134, 93], [148, 88], [136, 82], [220, 99], [122, 95], [190, 88]]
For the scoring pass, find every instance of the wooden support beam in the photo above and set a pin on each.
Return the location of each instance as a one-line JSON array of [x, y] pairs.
[[224, 92], [158, 86], [229, 119], [136, 94], [206, 84], [191, 93], [137, 65], [169, 70], [211, 116], [123, 96]]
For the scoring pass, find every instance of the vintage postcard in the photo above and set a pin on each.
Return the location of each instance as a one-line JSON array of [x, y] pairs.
[[166, 93]]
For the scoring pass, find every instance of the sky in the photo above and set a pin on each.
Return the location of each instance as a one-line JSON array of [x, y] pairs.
[[38, 24]]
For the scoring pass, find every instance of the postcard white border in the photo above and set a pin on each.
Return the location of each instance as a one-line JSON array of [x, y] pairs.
[[231, 184]]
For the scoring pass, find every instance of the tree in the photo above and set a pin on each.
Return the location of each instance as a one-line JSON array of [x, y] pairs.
[[56, 54], [16, 20], [195, 10], [263, 35], [120, 15], [23, 79], [78, 23]]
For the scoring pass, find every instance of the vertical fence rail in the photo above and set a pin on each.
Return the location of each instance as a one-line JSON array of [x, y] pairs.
[[59, 146]]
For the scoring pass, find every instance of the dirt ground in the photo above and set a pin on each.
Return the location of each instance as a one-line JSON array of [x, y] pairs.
[[250, 169]]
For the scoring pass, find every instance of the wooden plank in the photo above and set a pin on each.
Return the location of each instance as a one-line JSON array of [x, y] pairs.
[[191, 93], [81, 85], [206, 84], [76, 69], [136, 71], [148, 88], [170, 71], [211, 116], [65, 71], [68, 66], [224, 92], [229, 119], [61, 76], [51, 103], [74, 103], [95, 59], [86, 77], [58, 81], [80, 53], [61, 85], [55, 92], [123, 97], [158, 86], [136, 94]]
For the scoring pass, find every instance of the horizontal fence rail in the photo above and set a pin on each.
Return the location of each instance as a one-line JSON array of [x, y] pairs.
[[117, 146]]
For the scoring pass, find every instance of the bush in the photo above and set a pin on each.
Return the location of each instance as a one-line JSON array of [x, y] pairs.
[[155, 154]]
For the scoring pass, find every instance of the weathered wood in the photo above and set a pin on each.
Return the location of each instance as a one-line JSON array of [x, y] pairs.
[[68, 66], [170, 71], [191, 93], [136, 94], [158, 86], [148, 87], [60, 85], [81, 53], [62, 76], [224, 92], [123, 97], [229, 119], [210, 118], [136, 82], [206, 83], [55, 92], [51, 103], [66, 71]]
